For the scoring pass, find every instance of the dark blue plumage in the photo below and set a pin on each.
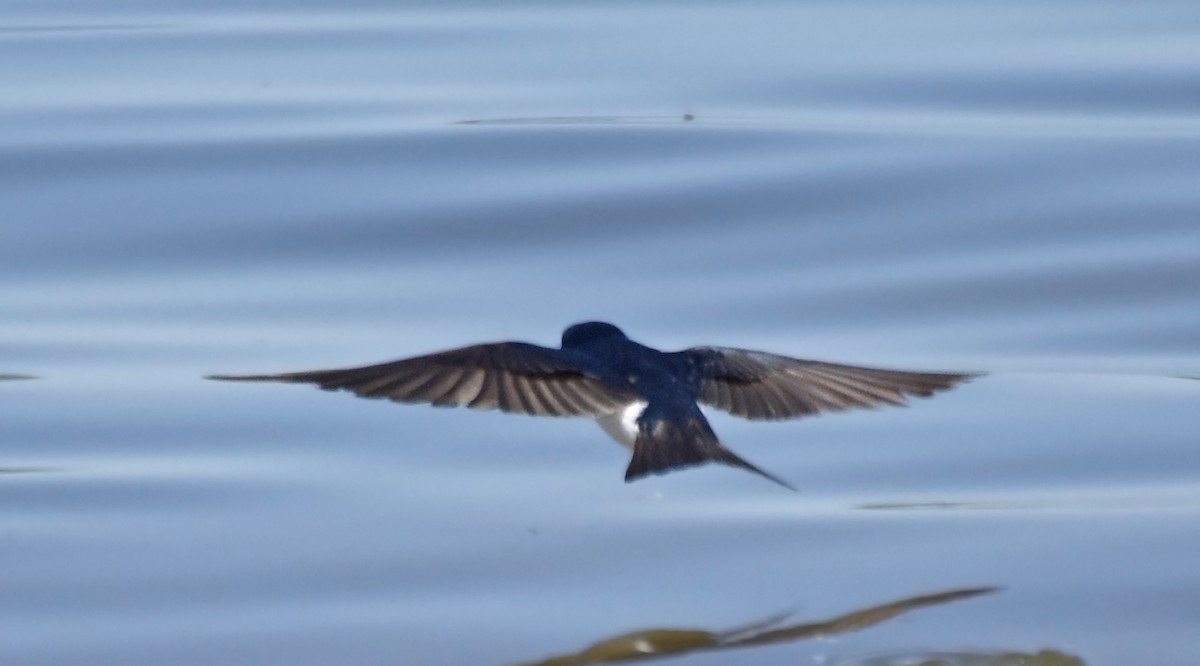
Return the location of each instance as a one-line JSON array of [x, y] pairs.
[[647, 399]]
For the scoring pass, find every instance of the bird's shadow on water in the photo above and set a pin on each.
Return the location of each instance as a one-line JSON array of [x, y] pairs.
[[662, 642], [583, 120], [30, 469]]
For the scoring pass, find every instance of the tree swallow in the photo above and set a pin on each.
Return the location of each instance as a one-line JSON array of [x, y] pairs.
[[644, 398]]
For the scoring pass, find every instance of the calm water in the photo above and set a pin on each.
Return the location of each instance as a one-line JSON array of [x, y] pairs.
[[195, 188]]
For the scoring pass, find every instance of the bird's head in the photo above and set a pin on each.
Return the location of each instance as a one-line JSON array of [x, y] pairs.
[[578, 335]]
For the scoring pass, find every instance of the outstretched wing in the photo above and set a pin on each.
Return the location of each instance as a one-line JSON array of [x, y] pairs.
[[512, 376], [758, 385]]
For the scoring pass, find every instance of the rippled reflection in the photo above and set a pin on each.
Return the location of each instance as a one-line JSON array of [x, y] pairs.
[[1040, 658], [657, 643]]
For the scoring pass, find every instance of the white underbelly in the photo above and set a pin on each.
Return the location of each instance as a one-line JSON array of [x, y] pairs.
[[622, 425]]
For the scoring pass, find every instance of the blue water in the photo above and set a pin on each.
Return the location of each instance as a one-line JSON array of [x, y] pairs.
[[190, 189]]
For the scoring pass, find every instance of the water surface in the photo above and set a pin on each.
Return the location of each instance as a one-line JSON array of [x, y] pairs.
[[230, 188]]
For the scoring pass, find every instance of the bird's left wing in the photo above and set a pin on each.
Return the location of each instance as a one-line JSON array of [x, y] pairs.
[[511, 376], [759, 385]]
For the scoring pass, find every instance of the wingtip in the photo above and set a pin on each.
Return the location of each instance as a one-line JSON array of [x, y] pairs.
[[242, 378], [946, 381]]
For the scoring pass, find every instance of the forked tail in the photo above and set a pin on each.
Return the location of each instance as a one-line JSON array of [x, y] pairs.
[[664, 446]]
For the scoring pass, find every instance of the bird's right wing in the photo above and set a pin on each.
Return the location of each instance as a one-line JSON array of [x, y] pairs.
[[511, 376], [759, 385]]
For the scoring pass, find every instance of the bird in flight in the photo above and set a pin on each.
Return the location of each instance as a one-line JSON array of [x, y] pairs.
[[646, 399]]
